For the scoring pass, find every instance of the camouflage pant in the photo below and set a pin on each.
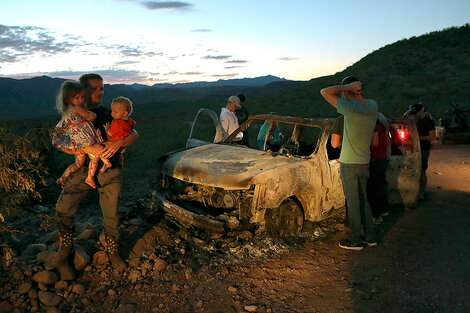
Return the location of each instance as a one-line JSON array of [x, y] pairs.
[[76, 189]]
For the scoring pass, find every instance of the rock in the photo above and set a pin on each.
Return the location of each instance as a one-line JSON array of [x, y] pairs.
[[41, 208], [102, 239], [42, 286], [33, 293], [147, 265], [61, 285], [49, 298], [134, 262], [50, 237], [24, 288], [86, 302], [33, 249], [45, 277], [66, 272], [188, 272], [232, 289], [79, 289], [134, 275], [34, 304], [251, 308], [5, 306], [88, 234], [126, 308], [46, 256], [137, 222], [17, 275], [100, 258], [81, 259], [159, 265]]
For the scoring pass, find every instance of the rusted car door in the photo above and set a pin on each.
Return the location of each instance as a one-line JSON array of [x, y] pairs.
[[206, 128], [404, 169]]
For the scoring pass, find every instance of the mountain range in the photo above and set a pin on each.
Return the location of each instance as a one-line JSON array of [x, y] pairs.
[[433, 68], [35, 97]]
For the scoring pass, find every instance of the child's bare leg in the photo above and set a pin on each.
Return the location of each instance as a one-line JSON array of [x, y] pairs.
[[92, 167], [106, 165], [79, 161]]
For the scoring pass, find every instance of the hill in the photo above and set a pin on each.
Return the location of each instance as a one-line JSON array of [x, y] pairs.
[[433, 68], [35, 97]]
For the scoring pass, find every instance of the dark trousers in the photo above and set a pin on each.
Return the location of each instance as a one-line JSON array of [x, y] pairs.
[[354, 178], [377, 190], [76, 189]]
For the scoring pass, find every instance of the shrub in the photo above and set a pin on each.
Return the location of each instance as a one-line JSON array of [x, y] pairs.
[[22, 173]]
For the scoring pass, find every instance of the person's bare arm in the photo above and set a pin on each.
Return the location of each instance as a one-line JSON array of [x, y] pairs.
[[86, 114], [335, 140], [431, 136], [111, 147], [331, 93], [375, 139]]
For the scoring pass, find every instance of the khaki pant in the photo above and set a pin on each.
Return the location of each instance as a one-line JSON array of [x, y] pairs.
[[76, 189]]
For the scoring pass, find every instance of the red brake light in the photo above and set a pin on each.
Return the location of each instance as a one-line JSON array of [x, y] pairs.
[[403, 134]]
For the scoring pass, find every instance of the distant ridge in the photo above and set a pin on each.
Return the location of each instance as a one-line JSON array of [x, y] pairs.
[[35, 97]]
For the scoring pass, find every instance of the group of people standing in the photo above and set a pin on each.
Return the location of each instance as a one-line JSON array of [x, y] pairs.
[[362, 132], [87, 128]]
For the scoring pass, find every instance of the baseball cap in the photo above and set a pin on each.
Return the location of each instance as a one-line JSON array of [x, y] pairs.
[[235, 100], [348, 80], [414, 108]]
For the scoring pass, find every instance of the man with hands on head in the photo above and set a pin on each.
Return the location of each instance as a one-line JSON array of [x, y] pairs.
[[360, 116]]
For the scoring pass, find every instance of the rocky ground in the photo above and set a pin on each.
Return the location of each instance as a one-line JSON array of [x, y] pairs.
[[420, 265]]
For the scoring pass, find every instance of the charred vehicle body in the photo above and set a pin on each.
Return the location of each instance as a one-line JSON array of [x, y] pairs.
[[288, 176]]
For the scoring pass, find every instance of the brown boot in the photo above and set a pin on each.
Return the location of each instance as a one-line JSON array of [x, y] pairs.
[[65, 248], [113, 253]]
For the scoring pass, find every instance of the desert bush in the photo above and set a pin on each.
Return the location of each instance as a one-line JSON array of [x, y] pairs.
[[22, 173]]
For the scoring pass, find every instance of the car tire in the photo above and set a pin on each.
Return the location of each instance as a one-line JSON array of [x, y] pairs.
[[285, 221]]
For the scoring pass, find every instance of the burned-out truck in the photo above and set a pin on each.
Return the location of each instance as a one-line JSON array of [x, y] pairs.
[[215, 184]]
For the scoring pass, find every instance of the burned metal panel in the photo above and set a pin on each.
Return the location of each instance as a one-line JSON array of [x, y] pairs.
[[283, 182], [404, 171], [225, 166]]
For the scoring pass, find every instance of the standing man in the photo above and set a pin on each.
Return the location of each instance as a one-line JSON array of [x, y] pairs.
[[427, 133], [360, 116], [109, 182], [228, 119], [242, 115]]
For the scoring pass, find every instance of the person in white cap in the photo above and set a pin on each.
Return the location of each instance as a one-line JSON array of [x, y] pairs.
[[228, 119]]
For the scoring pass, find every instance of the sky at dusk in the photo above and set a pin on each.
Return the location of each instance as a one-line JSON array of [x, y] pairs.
[[149, 42]]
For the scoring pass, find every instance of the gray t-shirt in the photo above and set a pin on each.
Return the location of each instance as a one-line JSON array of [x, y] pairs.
[[359, 123]]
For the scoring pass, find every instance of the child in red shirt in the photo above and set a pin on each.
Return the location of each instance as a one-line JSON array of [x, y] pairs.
[[122, 124]]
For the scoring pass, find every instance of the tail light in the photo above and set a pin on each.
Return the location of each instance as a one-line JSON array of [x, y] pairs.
[[403, 134]]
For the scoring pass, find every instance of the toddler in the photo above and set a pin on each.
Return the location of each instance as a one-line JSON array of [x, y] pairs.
[[122, 124], [75, 131]]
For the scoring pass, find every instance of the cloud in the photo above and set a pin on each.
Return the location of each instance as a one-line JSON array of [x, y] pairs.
[[193, 73], [201, 30], [166, 5], [17, 42], [225, 75], [287, 59], [216, 57], [236, 61]]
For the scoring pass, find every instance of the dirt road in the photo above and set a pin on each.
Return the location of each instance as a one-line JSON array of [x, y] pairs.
[[421, 264]]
